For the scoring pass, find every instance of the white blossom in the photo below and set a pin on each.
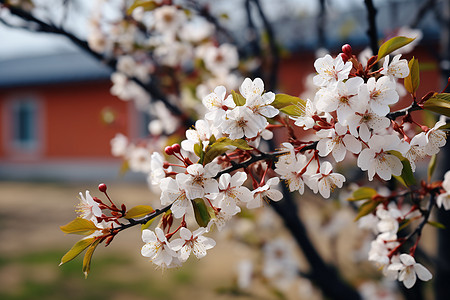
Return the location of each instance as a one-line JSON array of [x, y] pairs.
[[157, 248], [326, 181], [331, 70], [337, 141], [409, 269], [87, 208], [397, 68], [268, 190], [192, 242]]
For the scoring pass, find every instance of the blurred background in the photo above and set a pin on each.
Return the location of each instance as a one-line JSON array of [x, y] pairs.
[[57, 118]]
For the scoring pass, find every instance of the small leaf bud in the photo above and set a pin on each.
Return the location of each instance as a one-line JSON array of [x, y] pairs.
[[102, 187], [169, 150]]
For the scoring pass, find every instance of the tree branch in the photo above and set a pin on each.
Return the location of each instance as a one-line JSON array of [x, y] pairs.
[[372, 30]]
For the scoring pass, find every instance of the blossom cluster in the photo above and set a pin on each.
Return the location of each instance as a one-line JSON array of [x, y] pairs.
[[169, 40], [221, 168]]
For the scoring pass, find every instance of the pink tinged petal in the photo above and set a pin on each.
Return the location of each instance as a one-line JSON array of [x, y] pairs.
[[149, 250], [268, 111], [326, 168], [181, 207], [379, 108], [211, 186], [325, 146], [220, 91], [365, 159], [160, 234], [408, 277], [199, 250], [324, 188], [352, 144], [422, 272], [229, 102], [338, 179], [148, 236], [243, 194], [209, 243], [339, 152], [274, 195], [340, 129], [177, 244], [407, 259], [364, 132], [238, 178], [224, 181], [185, 233], [185, 252]]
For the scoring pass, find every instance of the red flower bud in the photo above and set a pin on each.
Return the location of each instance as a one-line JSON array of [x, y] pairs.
[[102, 187], [347, 49], [169, 150], [166, 164], [176, 148], [344, 57]]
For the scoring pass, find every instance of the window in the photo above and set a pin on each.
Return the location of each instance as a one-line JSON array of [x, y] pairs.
[[24, 129]]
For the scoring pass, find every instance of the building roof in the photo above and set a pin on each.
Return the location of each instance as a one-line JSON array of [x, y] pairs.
[[51, 68]]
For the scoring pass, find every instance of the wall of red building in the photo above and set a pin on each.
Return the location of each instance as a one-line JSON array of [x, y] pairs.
[[71, 123]]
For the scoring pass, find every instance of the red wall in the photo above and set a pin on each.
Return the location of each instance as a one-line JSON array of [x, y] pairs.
[[72, 119]]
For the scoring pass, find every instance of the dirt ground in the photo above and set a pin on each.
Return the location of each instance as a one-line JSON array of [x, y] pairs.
[[31, 246]]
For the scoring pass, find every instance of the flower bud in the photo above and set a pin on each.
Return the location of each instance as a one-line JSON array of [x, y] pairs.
[[176, 148], [102, 187], [344, 57], [166, 165], [169, 150], [347, 49]]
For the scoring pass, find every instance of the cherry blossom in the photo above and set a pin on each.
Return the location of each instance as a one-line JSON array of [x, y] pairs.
[[337, 141], [216, 102], [343, 98], [326, 181], [376, 159], [231, 191], [241, 121], [268, 190], [198, 181], [397, 68], [192, 242], [87, 208], [172, 193], [331, 70], [380, 94], [409, 270], [157, 248], [443, 200]]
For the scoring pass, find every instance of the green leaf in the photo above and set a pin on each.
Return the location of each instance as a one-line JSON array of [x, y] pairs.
[[293, 110], [198, 150], [221, 146], [366, 208], [283, 100], [88, 257], [201, 212], [436, 224], [431, 167], [363, 193], [147, 4], [392, 45], [238, 99], [79, 226], [439, 103], [412, 81], [138, 211], [407, 176], [76, 249]]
